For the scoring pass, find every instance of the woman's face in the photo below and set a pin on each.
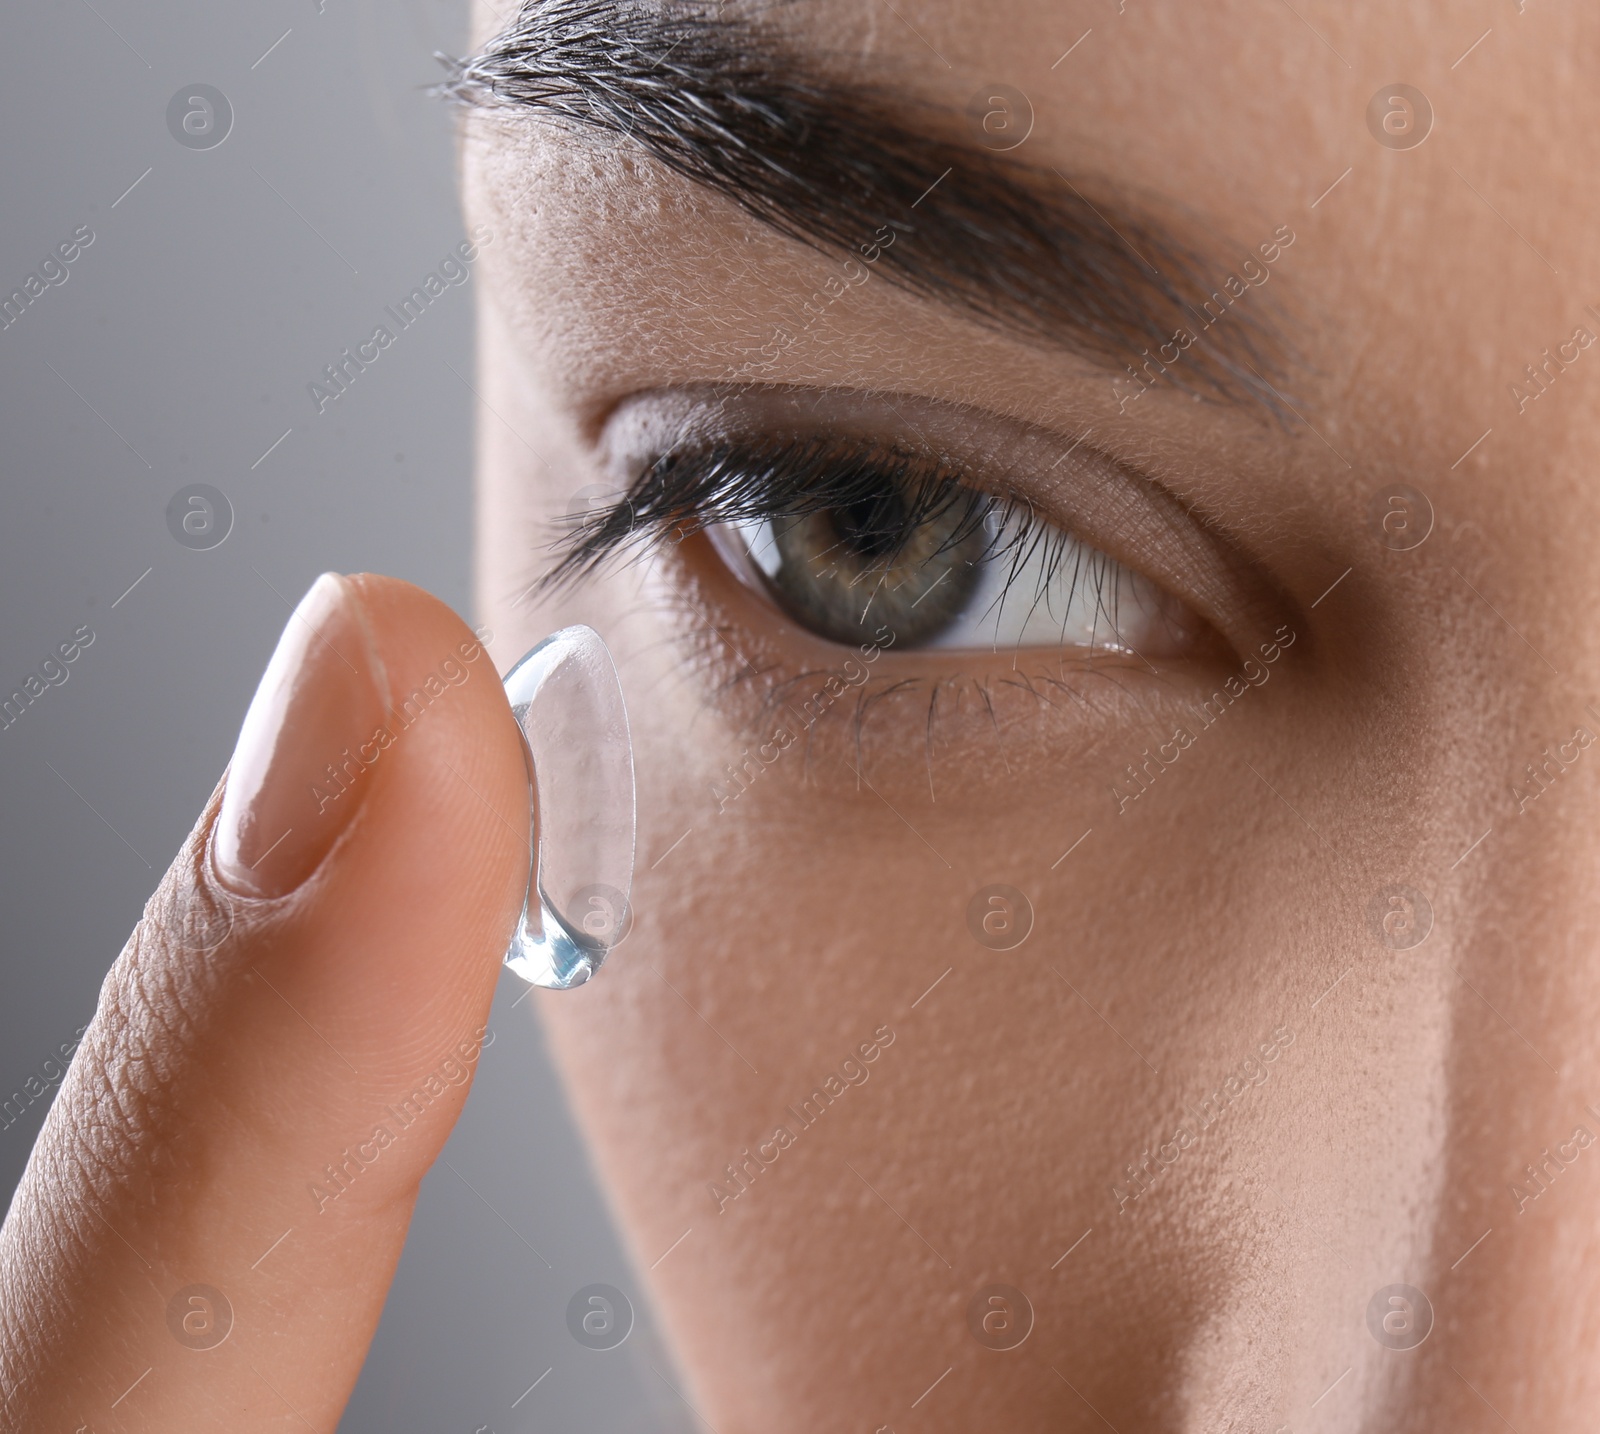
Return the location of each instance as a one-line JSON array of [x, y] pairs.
[[1287, 748]]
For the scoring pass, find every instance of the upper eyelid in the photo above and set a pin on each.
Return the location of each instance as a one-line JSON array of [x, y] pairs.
[[630, 515]]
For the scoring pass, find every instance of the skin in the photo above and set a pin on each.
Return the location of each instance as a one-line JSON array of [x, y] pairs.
[[1387, 1140], [1223, 904]]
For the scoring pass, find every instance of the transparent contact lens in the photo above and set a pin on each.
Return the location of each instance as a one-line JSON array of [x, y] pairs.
[[568, 702]]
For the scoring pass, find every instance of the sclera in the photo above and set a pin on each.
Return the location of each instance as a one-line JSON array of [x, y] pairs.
[[568, 703]]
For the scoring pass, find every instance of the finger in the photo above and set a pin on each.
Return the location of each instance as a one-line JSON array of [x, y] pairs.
[[211, 1217]]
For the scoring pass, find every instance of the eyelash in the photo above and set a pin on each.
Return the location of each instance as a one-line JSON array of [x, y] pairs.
[[685, 491]]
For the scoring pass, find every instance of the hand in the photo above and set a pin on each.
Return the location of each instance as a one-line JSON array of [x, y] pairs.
[[211, 1218]]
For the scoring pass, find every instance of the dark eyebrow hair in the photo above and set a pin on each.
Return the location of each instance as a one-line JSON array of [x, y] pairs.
[[830, 162]]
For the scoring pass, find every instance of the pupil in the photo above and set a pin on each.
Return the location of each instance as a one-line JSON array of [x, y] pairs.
[[873, 528]]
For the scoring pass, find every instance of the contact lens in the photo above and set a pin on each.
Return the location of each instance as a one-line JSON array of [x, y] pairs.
[[568, 704]]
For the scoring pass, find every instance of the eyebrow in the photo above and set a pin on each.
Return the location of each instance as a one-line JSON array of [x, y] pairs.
[[830, 163]]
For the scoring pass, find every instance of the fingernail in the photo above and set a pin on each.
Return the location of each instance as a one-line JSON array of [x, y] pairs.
[[302, 764]]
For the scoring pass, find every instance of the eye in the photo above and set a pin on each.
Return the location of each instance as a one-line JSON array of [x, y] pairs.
[[970, 574], [936, 538]]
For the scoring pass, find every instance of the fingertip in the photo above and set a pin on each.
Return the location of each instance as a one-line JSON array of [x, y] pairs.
[[324, 690]]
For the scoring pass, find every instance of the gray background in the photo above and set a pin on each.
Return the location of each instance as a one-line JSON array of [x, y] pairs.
[[177, 352]]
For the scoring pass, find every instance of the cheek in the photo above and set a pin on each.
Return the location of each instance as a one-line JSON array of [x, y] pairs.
[[1022, 1081]]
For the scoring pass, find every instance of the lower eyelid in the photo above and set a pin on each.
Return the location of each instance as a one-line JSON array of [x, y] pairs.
[[912, 713]]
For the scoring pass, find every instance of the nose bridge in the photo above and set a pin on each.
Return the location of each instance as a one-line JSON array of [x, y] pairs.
[[1492, 1126], [1517, 1318]]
